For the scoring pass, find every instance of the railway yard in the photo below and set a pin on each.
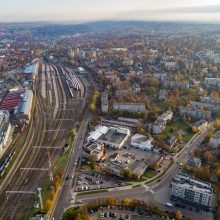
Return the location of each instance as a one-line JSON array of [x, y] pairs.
[[57, 90]]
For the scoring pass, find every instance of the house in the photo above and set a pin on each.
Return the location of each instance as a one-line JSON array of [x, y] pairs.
[[194, 162], [135, 88], [163, 94], [215, 140], [142, 142], [171, 141]]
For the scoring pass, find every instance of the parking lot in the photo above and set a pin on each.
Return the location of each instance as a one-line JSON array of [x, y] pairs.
[[116, 213], [89, 180]]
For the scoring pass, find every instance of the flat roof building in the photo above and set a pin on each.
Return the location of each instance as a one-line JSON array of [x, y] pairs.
[[187, 189]]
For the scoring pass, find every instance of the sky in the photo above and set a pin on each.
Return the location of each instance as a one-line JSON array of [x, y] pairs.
[[91, 10]]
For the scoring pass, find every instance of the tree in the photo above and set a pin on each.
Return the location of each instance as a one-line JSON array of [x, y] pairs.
[[48, 204], [126, 202], [207, 156], [217, 124], [93, 163], [218, 173], [178, 215], [194, 129], [112, 201], [126, 173]]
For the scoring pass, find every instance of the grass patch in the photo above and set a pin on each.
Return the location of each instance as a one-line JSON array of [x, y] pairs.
[[92, 192], [149, 174], [174, 127]]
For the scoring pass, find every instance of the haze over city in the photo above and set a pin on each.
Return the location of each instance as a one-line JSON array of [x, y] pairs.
[[87, 10]]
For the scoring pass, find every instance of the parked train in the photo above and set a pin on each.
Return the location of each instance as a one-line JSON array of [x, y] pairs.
[[4, 164]]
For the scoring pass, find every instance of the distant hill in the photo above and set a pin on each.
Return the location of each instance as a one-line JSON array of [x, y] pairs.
[[59, 29]]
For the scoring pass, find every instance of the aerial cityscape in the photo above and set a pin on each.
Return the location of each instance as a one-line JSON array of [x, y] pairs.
[[110, 110]]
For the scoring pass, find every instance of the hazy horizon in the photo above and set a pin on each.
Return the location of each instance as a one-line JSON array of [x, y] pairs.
[[87, 10]]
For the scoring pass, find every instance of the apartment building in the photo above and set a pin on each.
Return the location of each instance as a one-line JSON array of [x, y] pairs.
[[192, 191]]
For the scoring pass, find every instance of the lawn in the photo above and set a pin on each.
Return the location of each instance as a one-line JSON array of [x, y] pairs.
[[174, 127], [92, 192], [149, 174]]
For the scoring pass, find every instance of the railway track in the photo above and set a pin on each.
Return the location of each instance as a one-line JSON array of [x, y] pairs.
[[17, 206]]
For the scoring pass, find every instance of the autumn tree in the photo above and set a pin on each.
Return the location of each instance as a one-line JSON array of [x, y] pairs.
[[178, 215], [207, 156], [93, 163]]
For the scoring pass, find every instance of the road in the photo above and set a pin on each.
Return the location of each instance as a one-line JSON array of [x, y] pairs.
[[66, 194], [155, 192], [45, 130]]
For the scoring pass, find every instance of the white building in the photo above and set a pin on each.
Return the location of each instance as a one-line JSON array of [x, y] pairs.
[[96, 133], [191, 191], [215, 140], [130, 107], [142, 142], [104, 102], [5, 128]]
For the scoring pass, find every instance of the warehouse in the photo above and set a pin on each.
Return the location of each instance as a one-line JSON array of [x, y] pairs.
[[23, 113]]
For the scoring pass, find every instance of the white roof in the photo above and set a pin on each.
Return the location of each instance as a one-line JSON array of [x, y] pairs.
[[94, 135]]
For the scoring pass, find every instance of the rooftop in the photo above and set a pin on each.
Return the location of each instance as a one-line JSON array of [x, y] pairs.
[[189, 181]]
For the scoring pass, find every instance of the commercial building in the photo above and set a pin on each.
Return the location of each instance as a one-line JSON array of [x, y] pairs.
[[23, 113], [187, 189], [215, 140], [142, 142], [130, 107]]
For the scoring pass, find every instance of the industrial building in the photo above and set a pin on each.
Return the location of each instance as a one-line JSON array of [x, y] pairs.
[[187, 189], [23, 113], [11, 100], [5, 128], [114, 137]]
